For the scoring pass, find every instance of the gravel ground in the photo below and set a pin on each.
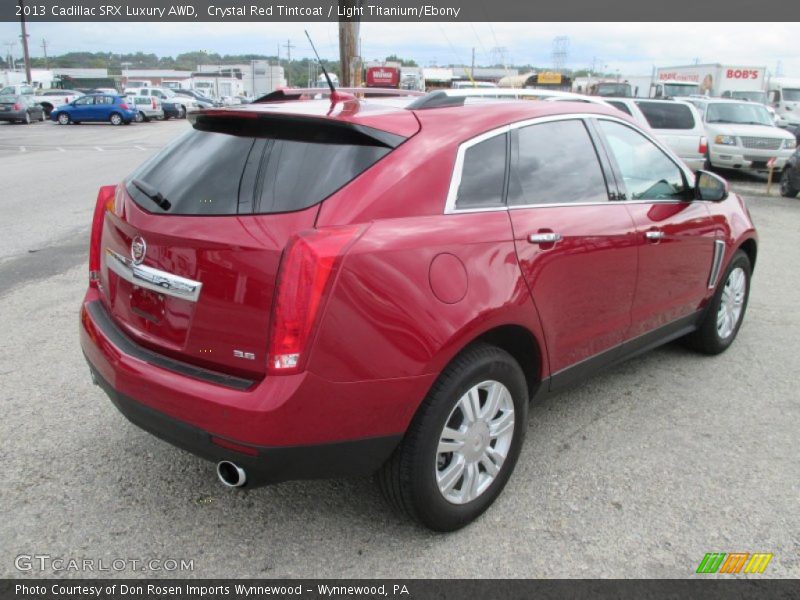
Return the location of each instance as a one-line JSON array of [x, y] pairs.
[[637, 473]]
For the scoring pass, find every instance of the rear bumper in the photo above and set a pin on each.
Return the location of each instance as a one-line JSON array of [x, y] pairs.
[[264, 465], [12, 115], [298, 426]]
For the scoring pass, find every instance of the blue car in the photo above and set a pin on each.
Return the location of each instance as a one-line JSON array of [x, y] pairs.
[[95, 107]]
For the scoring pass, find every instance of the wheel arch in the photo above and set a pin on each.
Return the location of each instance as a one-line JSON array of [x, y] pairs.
[[750, 247]]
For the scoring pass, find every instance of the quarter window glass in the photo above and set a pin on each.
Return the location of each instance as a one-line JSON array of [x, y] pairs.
[[620, 105], [483, 174], [661, 115], [555, 163], [647, 172]]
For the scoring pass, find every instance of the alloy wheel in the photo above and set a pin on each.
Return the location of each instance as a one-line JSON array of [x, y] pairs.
[[731, 303], [474, 442]]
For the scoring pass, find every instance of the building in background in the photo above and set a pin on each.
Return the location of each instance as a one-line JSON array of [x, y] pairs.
[[257, 78]]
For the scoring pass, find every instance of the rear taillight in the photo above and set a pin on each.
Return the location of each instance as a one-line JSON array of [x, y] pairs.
[[154, 104], [703, 149], [105, 202], [123, 106], [17, 106], [307, 271], [66, 99]]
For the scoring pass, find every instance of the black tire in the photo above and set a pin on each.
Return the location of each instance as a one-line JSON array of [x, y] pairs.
[[64, 119], [140, 118], [181, 112], [787, 189], [707, 338], [27, 120], [408, 480], [115, 119]]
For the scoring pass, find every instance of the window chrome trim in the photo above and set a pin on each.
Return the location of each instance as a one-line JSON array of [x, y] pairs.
[[455, 178], [716, 263], [153, 279]]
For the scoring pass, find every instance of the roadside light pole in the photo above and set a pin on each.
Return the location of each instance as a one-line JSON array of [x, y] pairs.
[[24, 38]]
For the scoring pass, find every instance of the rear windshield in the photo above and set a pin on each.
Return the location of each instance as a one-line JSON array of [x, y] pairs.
[[663, 115], [214, 170]]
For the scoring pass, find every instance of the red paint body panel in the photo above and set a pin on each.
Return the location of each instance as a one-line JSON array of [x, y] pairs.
[[583, 285], [393, 318]]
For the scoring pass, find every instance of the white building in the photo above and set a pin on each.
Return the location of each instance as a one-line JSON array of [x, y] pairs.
[[258, 77]]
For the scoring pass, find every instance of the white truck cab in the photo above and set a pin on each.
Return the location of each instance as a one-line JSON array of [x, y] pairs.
[[673, 88], [784, 97]]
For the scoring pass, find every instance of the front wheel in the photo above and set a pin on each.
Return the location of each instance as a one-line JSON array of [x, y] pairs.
[[787, 189], [462, 444], [140, 118], [63, 119], [181, 112], [725, 312]]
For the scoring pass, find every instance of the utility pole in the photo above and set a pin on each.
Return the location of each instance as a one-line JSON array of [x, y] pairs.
[[472, 69], [44, 49], [10, 54], [288, 45], [24, 38], [349, 27]]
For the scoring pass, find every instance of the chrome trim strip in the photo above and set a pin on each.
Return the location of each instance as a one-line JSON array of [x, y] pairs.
[[153, 279], [455, 179], [716, 263]]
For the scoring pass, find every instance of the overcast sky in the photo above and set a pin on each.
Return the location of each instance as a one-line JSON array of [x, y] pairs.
[[631, 48]]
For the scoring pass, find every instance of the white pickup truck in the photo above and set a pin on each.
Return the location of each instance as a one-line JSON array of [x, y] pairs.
[[51, 99]]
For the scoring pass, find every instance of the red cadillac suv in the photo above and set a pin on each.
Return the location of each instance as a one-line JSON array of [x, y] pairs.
[[302, 288]]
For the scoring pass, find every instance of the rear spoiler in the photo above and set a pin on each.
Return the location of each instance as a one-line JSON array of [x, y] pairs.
[[285, 94], [301, 128]]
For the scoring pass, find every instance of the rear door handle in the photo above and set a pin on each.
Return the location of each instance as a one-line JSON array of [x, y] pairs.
[[545, 238], [654, 235]]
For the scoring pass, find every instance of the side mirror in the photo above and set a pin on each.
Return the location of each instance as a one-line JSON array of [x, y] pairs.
[[708, 186]]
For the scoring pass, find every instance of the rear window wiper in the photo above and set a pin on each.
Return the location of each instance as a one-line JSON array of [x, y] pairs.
[[152, 193]]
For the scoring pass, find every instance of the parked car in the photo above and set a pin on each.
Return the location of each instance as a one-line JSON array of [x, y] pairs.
[[790, 178], [742, 135], [675, 122], [50, 99], [18, 89], [147, 107], [174, 105], [20, 109], [296, 289], [202, 101], [97, 107]]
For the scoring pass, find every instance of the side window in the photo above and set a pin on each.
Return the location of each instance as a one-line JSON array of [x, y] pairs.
[[663, 115], [555, 163], [83, 101], [483, 174], [621, 106], [648, 173]]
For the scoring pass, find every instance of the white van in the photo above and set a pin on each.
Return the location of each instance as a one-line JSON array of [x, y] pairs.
[[674, 122], [784, 97]]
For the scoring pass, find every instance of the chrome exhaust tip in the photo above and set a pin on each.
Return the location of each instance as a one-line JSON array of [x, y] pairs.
[[230, 474]]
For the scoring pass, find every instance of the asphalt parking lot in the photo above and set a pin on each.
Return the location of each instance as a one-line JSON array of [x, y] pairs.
[[637, 473]]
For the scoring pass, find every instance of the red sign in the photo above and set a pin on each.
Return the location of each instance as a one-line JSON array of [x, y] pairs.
[[383, 77], [742, 74]]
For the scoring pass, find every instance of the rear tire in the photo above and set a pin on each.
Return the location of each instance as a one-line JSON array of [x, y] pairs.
[[787, 189], [115, 119], [140, 118], [27, 120], [725, 312], [462, 444]]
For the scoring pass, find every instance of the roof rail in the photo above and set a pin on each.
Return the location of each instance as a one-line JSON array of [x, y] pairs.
[[458, 96], [284, 94]]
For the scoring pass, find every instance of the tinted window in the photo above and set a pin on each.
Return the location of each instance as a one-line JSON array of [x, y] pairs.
[[620, 105], [84, 100], [647, 172], [555, 163], [209, 172], [483, 174], [662, 115]]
